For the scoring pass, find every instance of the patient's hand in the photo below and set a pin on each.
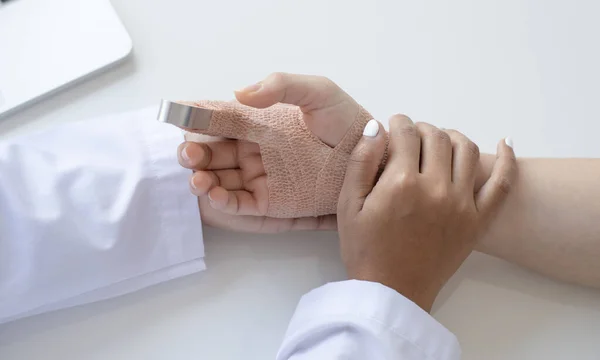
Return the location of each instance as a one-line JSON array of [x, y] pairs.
[[230, 178], [234, 169]]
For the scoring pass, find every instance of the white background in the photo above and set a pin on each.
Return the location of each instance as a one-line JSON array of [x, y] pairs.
[[528, 69]]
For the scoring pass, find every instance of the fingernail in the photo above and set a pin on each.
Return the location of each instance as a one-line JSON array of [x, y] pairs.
[[509, 142], [251, 88], [184, 154], [371, 129], [192, 183], [210, 199]]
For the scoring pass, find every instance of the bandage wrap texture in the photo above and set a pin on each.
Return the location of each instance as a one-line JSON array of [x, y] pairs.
[[304, 175]]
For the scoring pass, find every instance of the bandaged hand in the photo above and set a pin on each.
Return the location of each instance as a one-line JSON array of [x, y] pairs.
[[280, 162]]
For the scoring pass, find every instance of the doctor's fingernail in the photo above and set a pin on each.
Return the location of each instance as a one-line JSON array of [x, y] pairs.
[[509, 142], [252, 88], [371, 129]]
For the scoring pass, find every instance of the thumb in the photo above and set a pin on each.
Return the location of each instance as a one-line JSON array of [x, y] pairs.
[[329, 111], [306, 91], [361, 172], [498, 186]]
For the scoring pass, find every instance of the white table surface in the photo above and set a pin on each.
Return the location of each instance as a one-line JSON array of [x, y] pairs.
[[528, 69]]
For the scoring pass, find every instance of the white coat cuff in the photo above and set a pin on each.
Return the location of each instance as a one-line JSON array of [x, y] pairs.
[[177, 206], [397, 321]]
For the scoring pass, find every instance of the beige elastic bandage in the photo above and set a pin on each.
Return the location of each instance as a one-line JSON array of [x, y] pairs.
[[304, 175]]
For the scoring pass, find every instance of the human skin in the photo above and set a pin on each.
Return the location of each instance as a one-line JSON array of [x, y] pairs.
[[549, 222], [411, 228]]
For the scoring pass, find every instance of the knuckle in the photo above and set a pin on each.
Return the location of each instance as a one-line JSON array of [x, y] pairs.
[[401, 117], [464, 207], [406, 182], [408, 130], [329, 89], [440, 194], [277, 77], [423, 127], [398, 121], [440, 136], [327, 81], [455, 136], [472, 148]]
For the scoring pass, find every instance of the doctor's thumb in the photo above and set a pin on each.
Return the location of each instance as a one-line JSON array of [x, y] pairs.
[[362, 169]]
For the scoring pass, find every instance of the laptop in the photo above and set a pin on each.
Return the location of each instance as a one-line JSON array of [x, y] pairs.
[[46, 45]]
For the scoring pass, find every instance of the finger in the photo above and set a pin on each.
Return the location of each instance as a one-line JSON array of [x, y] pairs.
[[326, 222], [405, 146], [214, 155], [279, 225], [436, 152], [306, 91], [465, 160], [498, 186], [328, 110], [202, 182], [237, 202], [199, 138], [203, 156], [362, 169], [262, 224]]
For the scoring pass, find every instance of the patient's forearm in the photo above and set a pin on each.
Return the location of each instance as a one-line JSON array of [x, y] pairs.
[[551, 221]]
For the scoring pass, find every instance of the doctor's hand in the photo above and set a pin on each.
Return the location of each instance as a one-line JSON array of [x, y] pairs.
[[414, 227], [229, 177]]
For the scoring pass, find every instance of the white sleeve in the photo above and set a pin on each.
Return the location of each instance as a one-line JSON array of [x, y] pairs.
[[364, 320], [91, 210]]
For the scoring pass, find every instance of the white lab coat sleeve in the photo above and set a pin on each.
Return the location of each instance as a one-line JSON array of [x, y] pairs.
[[91, 210], [364, 320]]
